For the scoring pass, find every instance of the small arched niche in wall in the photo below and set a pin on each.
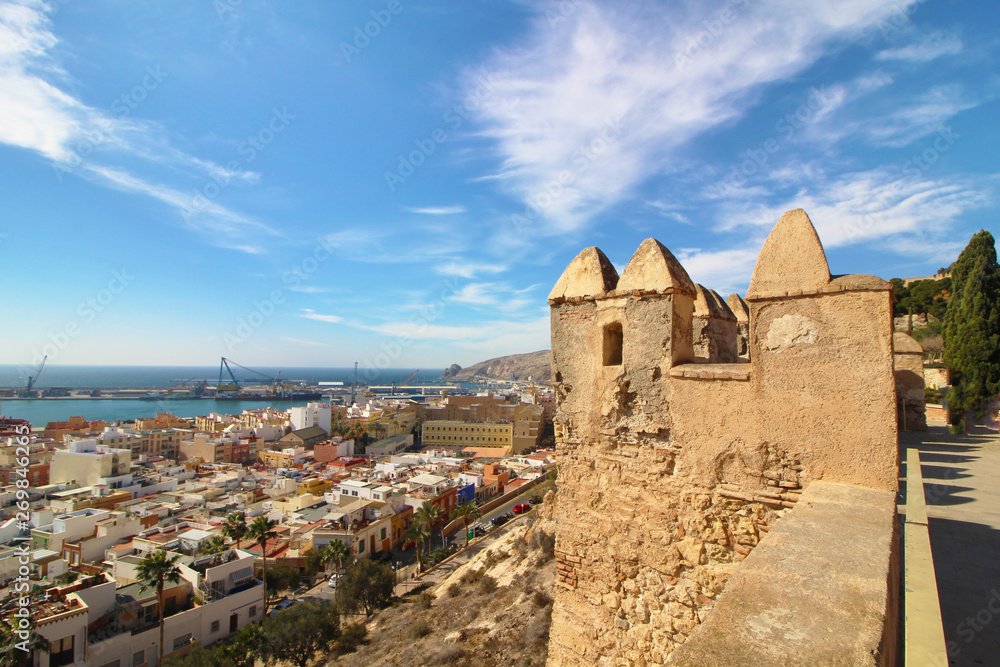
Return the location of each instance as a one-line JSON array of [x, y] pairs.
[[613, 344]]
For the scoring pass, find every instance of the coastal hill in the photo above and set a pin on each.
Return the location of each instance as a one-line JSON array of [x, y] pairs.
[[537, 365]]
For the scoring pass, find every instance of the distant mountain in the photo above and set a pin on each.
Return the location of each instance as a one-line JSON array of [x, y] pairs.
[[537, 365]]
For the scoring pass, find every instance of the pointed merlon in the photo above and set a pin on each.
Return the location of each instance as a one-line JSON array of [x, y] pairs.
[[590, 274], [792, 259], [654, 269], [708, 303], [903, 343], [739, 307]]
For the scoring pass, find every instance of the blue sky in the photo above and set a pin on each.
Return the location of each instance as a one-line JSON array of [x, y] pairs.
[[400, 183]]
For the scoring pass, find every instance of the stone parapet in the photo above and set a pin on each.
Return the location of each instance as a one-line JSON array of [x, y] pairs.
[[817, 590]]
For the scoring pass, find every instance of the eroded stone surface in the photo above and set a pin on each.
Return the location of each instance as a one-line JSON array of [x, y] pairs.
[[791, 260], [590, 273], [908, 363], [654, 268], [670, 475]]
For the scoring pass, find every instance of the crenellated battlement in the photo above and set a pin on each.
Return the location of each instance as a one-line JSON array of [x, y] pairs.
[[688, 424]]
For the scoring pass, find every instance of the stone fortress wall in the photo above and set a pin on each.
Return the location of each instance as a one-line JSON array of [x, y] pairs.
[[679, 450]]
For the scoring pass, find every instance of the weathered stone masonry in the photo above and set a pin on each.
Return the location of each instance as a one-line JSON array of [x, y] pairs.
[[673, 467]]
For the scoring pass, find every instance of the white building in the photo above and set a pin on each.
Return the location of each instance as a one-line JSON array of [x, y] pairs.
[[313, 414]]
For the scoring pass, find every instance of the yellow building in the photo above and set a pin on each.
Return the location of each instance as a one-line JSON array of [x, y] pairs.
[[315, 486], [468, 434]]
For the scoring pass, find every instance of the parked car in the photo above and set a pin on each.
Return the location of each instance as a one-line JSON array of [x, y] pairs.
[[500, 520], [333, 581], [534, 500], [284, 604], [521, 508], [383, 557]]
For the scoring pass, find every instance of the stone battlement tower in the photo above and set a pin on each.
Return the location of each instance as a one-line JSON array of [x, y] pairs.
[[677, 453]]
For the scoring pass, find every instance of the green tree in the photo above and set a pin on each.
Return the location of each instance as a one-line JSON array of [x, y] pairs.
[[200, 656], [214, 545], [261, 530], [300, 632], [972, 329], [235, 527], [282, 579], [336, 552], [247, 646], [417, 533], [428, 515], [12, 653], [367, 585], [155, 569], [469, 511]]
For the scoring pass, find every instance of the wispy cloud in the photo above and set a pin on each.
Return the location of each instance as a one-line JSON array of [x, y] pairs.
[[40, 116], [468, 269], [310, 314], [874, 205], [303, 341], [437, 210], [309, 289], [928, 47], [919, 118], [626, 89]]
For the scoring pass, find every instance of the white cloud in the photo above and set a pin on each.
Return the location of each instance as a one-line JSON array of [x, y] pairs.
[[40, 117], [303, 341], [468, 269], [309, 289], [875, 205], [310, 314], [929, 47], [477, 294], [725, 271], [589, 107], [920, 118], [437, 210]]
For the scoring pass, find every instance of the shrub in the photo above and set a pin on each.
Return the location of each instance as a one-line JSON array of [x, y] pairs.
[[471, 576], [424, 600], [541, 599], [454, 591], [419, 629], [352, 637], [544, 542], [448, 656], [487, 584]]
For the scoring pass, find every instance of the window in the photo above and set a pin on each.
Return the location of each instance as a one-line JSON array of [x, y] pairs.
[[61, 652], [138, 658], [383, 533], [215, 626], [361, 546], [613, 344], [253, 611], [182, 641]]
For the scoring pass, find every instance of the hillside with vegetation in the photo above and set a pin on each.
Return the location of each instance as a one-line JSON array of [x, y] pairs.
[[494, 611], [533, 365]]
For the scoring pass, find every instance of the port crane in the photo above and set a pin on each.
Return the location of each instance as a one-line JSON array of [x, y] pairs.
[[32, 379], [232, 387]]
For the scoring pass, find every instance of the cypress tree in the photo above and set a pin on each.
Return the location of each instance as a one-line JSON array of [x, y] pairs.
[[971, 329]]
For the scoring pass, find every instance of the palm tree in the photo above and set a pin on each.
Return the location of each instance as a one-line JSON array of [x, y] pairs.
[[155, 569], [260, 531], [336, 552], [469, 511], [428, 515], [235, 527], [214, 545], [418, 534], [11, 654]]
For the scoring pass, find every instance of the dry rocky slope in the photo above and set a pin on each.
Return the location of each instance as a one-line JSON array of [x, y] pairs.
[[493, 611], [536, 365]]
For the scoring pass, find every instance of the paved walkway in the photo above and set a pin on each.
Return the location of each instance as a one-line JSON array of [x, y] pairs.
[[962, 490]]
